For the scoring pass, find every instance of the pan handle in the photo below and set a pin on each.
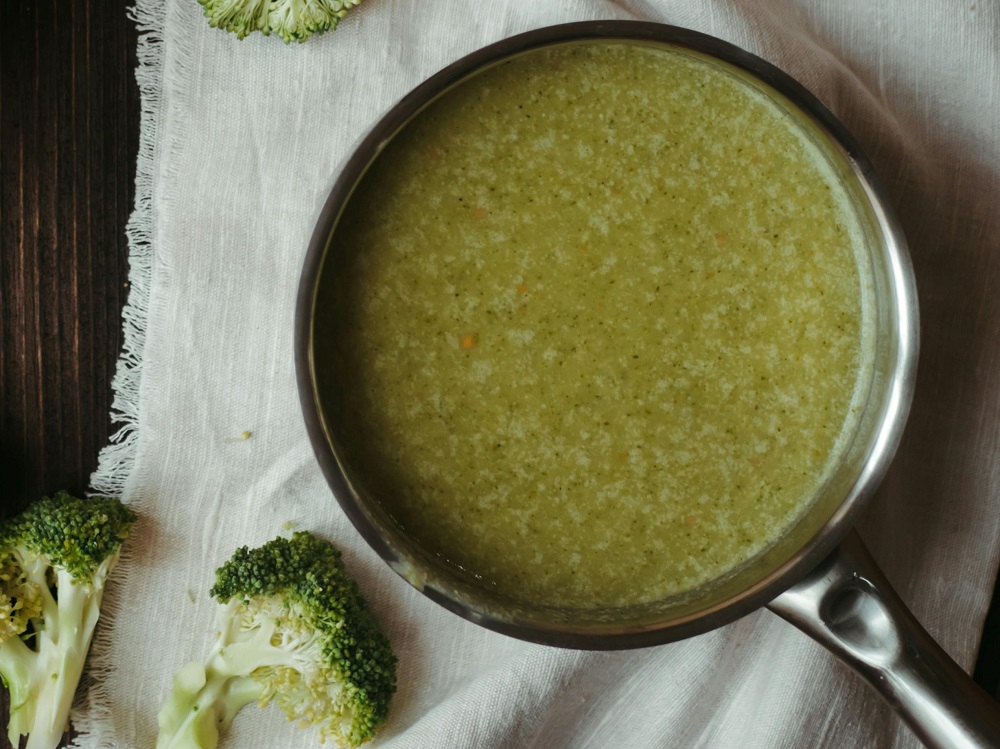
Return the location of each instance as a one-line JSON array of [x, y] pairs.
[[847, 605]]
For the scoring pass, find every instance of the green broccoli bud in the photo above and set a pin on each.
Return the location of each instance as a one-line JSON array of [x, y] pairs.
[[292, 20], [294, 630], [54, 560]]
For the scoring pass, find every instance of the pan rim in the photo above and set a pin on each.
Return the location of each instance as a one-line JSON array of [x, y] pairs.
[[880, 450]]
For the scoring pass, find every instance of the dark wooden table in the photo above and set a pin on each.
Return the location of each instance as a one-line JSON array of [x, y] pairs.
[[69, 133], [69, 122]]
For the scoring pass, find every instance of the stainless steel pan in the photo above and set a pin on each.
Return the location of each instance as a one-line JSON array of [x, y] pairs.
[[819, 575]]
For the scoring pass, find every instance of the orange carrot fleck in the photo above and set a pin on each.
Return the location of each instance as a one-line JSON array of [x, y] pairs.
[[521, 288], [720, 239], [690, 520], [468, 341], [479, 214]]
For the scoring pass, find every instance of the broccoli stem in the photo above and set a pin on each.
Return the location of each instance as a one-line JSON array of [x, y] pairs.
[[205, 699], [17, 659], [22, 677], [202, 705], [36, 573], [54, 668]]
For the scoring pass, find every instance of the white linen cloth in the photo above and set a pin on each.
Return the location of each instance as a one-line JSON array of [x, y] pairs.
[[240, 141]]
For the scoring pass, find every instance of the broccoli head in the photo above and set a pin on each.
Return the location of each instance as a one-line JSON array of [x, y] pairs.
[[293, 629], [54, 560], [292, 20]]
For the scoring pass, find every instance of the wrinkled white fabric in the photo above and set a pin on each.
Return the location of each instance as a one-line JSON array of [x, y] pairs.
[[241, 142]]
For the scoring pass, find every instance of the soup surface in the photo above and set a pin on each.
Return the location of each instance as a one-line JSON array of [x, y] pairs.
[[596, 324]]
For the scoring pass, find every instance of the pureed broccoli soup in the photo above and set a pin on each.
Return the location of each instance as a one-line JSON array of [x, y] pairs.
[[598, 330]]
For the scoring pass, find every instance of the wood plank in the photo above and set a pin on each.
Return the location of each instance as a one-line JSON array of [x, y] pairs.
[[69, 122]]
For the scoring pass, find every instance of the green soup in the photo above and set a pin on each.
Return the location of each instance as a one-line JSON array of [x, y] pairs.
[[597, 326]]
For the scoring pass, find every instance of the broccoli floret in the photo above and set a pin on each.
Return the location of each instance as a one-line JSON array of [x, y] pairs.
[[54, 560], [292, 20], [293, 629]]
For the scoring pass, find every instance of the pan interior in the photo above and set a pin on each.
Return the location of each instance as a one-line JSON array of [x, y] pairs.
[[598, 341]]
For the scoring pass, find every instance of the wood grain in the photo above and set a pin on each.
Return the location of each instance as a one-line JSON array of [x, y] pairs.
[[69, 115], [69, 122]]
